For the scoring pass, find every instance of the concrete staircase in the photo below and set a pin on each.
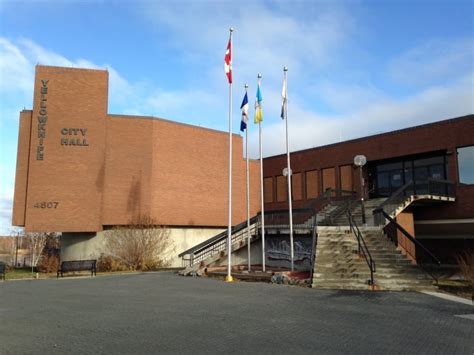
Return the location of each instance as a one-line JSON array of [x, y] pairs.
[[196, 269], [332, 214], [338, 264]]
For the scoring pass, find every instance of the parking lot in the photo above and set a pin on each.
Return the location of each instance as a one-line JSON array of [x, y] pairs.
[[166, 313]]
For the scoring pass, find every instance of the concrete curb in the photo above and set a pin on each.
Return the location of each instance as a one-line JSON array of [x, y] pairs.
[[448, 297]]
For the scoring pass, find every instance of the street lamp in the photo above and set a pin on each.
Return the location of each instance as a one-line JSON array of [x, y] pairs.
[[360, 161]]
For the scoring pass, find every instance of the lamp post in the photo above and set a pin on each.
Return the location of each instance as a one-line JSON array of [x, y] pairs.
[[360, 161]]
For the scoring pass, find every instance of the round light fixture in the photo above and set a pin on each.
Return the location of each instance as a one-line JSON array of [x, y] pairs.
[[360, 160]]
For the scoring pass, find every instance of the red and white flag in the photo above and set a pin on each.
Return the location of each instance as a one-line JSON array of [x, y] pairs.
[[228, 62]]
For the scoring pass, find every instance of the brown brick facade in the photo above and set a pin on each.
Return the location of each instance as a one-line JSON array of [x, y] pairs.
[[80, 169], [330, 163]]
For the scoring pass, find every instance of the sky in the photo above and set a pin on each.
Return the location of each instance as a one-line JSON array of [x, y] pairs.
[[355, 68]]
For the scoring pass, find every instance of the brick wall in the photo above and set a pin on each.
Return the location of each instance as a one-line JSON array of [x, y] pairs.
[[444, 137], [80, 168]]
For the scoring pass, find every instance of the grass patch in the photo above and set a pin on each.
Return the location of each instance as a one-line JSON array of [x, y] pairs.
[[25, 274], [18, 274]]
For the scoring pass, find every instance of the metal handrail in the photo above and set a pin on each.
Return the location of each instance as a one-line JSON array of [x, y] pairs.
[[314, 238], [437, 262], [401, 190], [343, 208], [217, 238], [278, 218], [218, 243], [407, 191], [216, 246], [362, 246]]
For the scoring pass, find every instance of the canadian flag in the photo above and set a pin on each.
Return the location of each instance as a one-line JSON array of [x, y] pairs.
[[228, 62]]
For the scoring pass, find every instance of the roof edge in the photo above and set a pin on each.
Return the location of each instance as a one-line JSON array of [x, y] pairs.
[[401, 130]]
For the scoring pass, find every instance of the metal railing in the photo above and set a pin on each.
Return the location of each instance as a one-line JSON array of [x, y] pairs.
[[338, 198], [362, 246], [404, 194], [314, 237], [341, 209], [302, 218], [218, 243], [428, 268]]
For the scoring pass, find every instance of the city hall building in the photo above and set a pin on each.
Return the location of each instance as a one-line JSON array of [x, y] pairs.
[[81, 170]]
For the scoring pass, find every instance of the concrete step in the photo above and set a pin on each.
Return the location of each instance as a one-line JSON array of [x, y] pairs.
[[341, 285], [339, 265]]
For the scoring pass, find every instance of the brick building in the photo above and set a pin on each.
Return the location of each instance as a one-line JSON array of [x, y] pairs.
[[81, 170], [442, 151]]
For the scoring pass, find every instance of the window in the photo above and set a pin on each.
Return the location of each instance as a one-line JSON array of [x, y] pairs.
[[383, 183], [312, 184], [392, 176], [466, 164], [282, 189], [329, 179], [268, 189], [296, 187], [345, 173]]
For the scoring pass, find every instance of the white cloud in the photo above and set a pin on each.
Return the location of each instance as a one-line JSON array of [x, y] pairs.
[[435, 61], [5, 215], [309, 129], [303, 36], [15, 69], [312, 40], [6, 199]]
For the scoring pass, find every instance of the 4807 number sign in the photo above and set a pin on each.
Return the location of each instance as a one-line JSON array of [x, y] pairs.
[[44, 204]]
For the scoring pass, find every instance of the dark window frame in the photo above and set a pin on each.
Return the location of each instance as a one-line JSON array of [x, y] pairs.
[[459, 182]]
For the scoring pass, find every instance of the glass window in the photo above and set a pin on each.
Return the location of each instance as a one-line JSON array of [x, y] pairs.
[[437, 172], [421, 174], [408, 172], [391, 166], [429, 161], [396, 178], [466, 164], [383, 184]]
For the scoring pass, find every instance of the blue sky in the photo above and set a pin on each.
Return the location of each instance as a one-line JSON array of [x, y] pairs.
[[355, 67]]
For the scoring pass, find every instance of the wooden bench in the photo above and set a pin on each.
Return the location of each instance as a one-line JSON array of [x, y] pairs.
[[3, 268], [78, 265]]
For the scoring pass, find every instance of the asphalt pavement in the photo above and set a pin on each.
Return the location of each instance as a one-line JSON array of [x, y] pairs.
[[166, 313]]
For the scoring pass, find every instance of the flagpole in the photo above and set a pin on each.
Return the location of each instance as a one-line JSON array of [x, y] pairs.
[[248, 188], [229, 277], [259, 76], [290, 202]]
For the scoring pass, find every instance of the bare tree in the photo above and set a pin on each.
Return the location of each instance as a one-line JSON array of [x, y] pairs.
[[36, 243], [16, 239], [142, 245]]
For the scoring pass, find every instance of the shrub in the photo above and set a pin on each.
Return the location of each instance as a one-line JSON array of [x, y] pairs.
[[466, 264], [48, 263], [107, 263], [49, 260], [142, 245]]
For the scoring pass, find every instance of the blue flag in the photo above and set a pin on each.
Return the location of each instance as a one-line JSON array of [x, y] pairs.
[[245, 113]]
